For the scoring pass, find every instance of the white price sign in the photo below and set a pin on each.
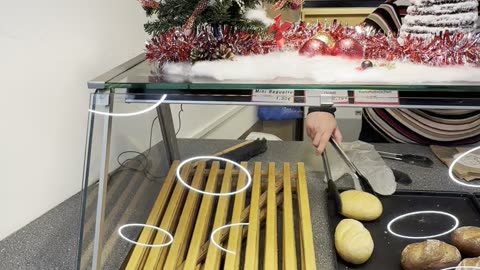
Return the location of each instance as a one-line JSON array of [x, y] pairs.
[[385, 97], [273, 95], [315, 97]]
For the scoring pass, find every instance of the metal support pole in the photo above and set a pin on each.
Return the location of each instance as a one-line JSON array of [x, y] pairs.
[[168, 132], [86, 176], [299, 127], [102, 188]]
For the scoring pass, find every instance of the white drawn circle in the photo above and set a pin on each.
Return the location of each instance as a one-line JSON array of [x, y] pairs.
[[450, 169], [212, 240], [160, 101], [249, 177], [462, 268], [472, 160], [454, 218], [169, 235]]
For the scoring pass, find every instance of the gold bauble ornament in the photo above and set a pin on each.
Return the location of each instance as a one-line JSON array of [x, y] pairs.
[[326, 38]]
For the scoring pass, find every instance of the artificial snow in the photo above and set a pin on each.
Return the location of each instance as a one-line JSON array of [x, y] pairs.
[[258, 14], [321, 69]]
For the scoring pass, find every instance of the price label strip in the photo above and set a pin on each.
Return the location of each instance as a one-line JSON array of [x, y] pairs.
[[314, 98], [376, 97], [273, 95]]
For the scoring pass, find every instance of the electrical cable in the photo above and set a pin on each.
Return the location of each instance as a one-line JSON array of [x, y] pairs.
[[179, 119], [144, 164]]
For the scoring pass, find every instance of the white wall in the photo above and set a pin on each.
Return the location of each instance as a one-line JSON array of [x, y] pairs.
[[48, 51]]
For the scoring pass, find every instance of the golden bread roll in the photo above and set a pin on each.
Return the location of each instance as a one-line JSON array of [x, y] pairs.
[[473, 262], [353, 241], [467, 240], [360, 205], [430, 255]]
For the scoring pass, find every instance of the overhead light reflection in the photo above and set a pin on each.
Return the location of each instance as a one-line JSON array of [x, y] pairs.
[[131, 114], [455, 161], [212, 236], [462, 268], [169, 235], [180, 178], [454, 218]]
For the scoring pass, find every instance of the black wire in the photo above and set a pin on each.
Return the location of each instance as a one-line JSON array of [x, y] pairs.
[[144, 164], [179, 119]]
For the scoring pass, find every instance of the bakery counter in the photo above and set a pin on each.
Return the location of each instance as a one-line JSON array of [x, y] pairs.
[[423, 179], [50, 242], [133, 199]]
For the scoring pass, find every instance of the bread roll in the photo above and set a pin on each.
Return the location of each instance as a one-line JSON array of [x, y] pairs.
[[353, 241], [360, 205], [470, 262], [467, 240], [430, 255]]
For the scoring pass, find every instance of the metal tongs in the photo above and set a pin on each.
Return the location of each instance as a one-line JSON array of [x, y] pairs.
[[408, 158], [357, 174], [332, 187]]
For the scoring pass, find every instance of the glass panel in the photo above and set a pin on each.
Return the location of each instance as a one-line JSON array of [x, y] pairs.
[[146, 76], [339, 98], [136, 170], [420, 162], [89, 191]]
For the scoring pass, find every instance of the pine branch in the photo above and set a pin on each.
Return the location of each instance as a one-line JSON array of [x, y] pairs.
[[150, 11], [175, 13]]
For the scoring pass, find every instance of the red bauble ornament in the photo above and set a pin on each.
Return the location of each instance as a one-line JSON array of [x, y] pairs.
[[326, 38], [348, 47], [314, 47]]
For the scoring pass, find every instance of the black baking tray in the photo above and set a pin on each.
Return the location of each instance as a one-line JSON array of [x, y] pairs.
[[388, 247]]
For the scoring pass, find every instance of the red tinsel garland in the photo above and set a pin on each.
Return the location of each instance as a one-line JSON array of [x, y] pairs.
[[280, 3], [149, 4], [176, 45], [242, 43], [445, 49], [172, 46]]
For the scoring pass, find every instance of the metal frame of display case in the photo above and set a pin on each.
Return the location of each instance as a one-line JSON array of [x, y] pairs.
[[222, 97]]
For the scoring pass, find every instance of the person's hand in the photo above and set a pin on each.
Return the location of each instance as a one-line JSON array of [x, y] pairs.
[[320, 127]]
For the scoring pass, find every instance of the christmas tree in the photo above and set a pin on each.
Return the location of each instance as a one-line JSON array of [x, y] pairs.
[[188, 31], [169, 14], [428, 18], [197, 30]]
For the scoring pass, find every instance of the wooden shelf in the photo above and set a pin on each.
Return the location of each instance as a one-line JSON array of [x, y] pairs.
[[276, 208]]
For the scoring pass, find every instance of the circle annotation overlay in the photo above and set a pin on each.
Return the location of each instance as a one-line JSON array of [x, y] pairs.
[[160, 101], [455, 161], [212, 236], [180, 178], [169, 235], [454, 218], [462, 268], [471, 161]]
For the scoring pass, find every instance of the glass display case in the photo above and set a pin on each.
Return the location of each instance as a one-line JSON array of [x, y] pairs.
[[257, 204]]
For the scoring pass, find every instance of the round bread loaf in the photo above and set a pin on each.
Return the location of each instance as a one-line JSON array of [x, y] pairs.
[[353, 241], [467, 240], [430, 255], [360, 205], [472, 262]]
